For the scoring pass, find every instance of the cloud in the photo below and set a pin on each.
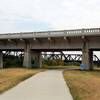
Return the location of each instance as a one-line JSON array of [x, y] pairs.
[[23, 25], [36, 15]]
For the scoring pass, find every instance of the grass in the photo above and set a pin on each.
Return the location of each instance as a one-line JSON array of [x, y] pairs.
[[84, 85], [11, 77], [61, 67]]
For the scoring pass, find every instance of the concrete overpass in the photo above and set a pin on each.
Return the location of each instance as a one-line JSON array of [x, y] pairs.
[[33, 43]]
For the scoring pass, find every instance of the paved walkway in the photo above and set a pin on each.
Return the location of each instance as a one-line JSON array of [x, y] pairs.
[[48, 85]]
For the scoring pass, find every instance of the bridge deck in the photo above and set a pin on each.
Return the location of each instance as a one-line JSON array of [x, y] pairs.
[[61, 33]]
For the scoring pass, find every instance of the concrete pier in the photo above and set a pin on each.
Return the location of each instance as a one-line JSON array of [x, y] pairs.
[[87, 57], [1, 59], [32, 59], [36, 57], [27, 58]]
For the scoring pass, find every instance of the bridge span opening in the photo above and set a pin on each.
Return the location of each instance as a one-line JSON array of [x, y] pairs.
[[66, 58], [52, 59]]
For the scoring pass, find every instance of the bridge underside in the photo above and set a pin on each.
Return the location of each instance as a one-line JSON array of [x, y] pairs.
[[33, 47]]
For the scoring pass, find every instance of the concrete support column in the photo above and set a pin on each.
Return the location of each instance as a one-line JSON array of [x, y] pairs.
[[27, 58], [1, 59], [36, 57], [87, 57], [91, 60]]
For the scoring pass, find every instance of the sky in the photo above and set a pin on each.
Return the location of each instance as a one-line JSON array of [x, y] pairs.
[[44, 15]]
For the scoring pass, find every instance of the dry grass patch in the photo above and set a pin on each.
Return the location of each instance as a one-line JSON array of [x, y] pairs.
[[61, 67], [11, 77], [83, 85]]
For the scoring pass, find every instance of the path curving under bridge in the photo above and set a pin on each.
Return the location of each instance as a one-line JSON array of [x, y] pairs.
[[48, 85]]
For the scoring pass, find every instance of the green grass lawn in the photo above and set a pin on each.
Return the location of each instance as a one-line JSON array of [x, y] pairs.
[[11, 77], [84, 85]]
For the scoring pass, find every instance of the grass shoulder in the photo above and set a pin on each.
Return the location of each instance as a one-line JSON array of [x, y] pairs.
[[83, 85], [13, 76]]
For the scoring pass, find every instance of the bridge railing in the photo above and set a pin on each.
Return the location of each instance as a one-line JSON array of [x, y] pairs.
[[77, 32], [92, 30], [69, 32]]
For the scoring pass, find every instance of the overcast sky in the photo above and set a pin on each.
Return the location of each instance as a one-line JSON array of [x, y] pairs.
[[43, 15], [39, 15]]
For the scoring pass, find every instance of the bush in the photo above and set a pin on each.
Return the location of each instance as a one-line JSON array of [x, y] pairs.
[[12, 61], [72, 63], [56, 62], [60, 62]]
